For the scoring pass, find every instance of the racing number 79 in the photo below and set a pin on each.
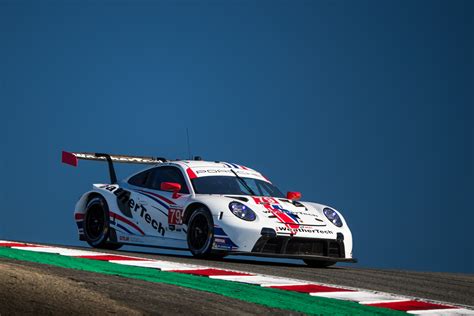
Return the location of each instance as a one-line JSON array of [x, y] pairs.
[[175, 216]]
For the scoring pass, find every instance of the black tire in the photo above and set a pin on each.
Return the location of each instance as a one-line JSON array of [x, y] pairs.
[[318, 263], [200, 234], [111, 246], [96, 224]]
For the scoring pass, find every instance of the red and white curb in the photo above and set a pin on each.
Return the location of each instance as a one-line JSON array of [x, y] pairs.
[[407, 304]]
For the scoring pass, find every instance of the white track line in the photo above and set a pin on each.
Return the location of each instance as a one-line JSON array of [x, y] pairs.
[[362, 297], [457, 311], [61, 251], [158, 264], [262, 280]]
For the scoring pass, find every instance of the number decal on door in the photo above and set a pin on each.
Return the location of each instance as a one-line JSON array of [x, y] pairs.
[[175, 216]]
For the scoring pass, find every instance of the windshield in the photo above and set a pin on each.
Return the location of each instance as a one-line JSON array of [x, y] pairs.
[[232, 185]]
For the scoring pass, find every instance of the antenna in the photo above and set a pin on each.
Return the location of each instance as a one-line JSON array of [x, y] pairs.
[[189, 146]]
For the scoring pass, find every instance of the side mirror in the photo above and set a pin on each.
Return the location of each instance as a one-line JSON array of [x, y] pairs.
[[171, 187], [293, 196]]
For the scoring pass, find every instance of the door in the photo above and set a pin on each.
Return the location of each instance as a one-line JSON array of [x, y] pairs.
[[162, 212]]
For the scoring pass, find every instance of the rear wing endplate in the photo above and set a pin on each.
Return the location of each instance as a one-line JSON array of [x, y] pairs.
[[71, 158]]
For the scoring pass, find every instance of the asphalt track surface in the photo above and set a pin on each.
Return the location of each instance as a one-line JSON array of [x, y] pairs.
[[134, 296]]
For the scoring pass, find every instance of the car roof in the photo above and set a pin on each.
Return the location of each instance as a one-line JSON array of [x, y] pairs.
[[202, 168], [209, 164]]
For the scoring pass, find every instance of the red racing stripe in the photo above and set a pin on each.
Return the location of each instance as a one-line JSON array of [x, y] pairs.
[[16, 244], [106, 257], [309, 288], [158, 196], [78, 216], [410, 305], [282, 217], [191, 173], [210, 272], [123, 219]]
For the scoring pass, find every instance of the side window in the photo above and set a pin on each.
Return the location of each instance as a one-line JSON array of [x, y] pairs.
[[166, 174], [139, 179]]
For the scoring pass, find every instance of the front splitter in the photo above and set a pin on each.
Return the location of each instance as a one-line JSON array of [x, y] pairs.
[[289, 256]]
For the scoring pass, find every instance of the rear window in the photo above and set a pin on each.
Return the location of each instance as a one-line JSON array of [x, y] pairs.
[[139, 179]]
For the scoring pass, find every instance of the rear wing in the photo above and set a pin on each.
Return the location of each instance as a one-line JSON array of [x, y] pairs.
[[72, 159]]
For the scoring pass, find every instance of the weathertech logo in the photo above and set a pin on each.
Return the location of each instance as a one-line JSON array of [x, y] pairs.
[[304, 230], [127, 205]]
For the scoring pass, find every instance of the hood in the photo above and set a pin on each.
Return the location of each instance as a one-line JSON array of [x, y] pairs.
[[292, 214]]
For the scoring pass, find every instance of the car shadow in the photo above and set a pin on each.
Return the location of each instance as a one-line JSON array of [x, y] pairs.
[[247, 260]]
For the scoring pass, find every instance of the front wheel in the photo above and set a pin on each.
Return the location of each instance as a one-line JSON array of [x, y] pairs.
[[200, 233], [318, 263], [96, 224]]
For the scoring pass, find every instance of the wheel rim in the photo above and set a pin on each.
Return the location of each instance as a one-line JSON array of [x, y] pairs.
[[200, 233], [95, 223]]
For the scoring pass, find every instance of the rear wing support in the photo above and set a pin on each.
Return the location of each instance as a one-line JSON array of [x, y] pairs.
[[113, 175], [72, 159]]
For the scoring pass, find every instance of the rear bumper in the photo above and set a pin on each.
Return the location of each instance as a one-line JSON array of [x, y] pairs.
[[300, 248]]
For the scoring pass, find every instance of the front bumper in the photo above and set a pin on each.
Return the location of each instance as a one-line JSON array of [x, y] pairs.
[[300, 248]]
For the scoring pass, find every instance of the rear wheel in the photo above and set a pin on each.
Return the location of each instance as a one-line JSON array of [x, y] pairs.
[[96, 224], [200, 233], [318, 263]]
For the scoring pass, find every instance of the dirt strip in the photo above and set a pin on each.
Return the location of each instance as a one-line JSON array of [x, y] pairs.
[[31, 288]]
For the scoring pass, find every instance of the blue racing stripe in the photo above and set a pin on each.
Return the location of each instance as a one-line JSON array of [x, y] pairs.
[[155, 199], [235, 166], [219, 231], [121, 227], [227, 164], [159, 210]]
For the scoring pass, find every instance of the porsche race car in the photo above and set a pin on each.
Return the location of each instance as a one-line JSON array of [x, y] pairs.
[[211, 208]]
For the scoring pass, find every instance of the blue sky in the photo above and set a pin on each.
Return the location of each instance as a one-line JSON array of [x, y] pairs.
[[365, 106]]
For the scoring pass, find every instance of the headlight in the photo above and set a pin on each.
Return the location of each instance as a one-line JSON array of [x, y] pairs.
[[333, 217], [242, 211]]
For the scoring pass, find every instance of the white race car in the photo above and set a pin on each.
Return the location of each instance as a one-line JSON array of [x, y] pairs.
[[212, 209]]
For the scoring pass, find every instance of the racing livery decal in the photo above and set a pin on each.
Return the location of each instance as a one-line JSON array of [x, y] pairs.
[[286, 217], [79, 218], [175, 218], [120, 222], [129, 205], [222, 240], [304, 229]]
